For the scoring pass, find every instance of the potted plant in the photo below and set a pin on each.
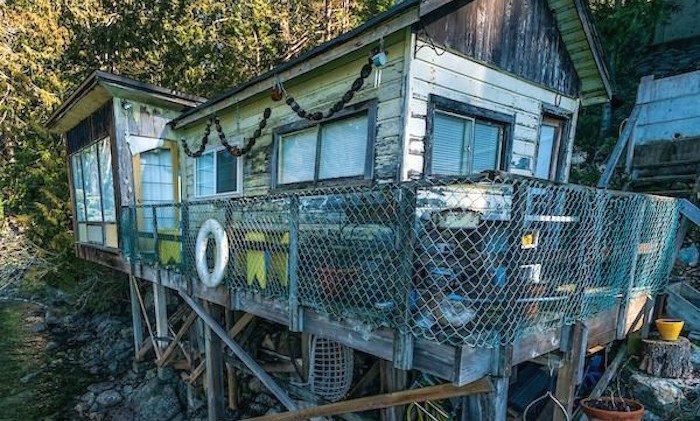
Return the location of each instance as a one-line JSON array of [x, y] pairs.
[[612, 409]]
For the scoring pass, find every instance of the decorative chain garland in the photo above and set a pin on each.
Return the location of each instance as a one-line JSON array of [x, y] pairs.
[[205, 140], [235, 150], [277, 94], [232, 149], [347, 97]]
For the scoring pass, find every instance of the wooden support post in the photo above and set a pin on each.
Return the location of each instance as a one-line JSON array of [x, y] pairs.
[[231, 377], [213, 355], [570, 374], [636, 233], [249, 361], [392, 380], [619, 148], [135, 317], [499, 398], [160, 305], [296, 313]]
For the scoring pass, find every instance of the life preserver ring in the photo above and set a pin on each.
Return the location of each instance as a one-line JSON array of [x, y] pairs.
[[211, 227]]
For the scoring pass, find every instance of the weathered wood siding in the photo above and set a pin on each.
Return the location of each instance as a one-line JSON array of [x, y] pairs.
[[519, 36], [670, 109], [318, 91], [463, 79], [133, 118]]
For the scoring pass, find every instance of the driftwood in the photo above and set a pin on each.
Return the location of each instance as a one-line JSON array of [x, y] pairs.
[[667, 359]]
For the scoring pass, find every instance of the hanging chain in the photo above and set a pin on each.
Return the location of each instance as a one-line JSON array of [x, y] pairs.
[[250, 142], [278, 94], [205, 140], [347, 97]]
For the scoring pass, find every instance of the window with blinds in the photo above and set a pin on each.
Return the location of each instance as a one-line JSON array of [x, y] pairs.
[[217, 172], [332, 150], [463, 145]]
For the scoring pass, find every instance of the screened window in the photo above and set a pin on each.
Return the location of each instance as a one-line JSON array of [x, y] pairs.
[[217, 172], [93, 187], [463, 145], [333, 150]]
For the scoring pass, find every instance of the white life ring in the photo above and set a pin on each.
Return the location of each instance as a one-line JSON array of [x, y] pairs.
[[211, 227]]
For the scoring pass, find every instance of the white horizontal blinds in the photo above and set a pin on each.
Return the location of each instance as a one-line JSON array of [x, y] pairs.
[[451, 135], [297, 156], [91, 184], [157, 186], [79, 193], [487, 141], [106, 178], [545, 149], [343, 148], [226, 172], [204, 175]]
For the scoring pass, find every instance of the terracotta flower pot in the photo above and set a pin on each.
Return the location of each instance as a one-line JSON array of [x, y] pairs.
[[603, 410]]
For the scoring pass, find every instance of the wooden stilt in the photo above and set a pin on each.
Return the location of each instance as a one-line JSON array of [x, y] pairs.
[[231, 378], [570, 374], [145, 317], [135, 317], [499, 399], [392, 380], [159, 302], [213, 355]]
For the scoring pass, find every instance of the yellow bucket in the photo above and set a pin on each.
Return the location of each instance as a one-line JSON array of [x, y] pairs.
[[669, 329]]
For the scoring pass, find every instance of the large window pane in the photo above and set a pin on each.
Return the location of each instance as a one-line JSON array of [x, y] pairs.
[[107, 187], [297, 156], [487, 138], [226, 172], [91, 184], [343, 148], [78, 192], [204, 169], [449, 149]]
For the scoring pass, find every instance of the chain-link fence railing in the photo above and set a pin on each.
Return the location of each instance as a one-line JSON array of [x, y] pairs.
[[472, 261]]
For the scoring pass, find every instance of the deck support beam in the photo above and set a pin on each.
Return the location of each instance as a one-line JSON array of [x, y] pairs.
[[392, 380], [213, 354], [160, 305], [570, 374], [249, 361], [135, 318]]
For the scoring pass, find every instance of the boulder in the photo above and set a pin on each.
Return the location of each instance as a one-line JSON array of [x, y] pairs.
[[661, 396], [108, 398]]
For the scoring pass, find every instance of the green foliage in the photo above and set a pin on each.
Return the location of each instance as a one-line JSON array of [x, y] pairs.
[[626, 28]]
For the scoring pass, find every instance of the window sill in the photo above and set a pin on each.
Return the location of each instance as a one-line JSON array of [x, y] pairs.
[[310, 185], [220, 196], [99, 247]]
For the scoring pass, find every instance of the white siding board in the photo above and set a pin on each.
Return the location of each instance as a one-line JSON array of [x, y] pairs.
[[462, 79]]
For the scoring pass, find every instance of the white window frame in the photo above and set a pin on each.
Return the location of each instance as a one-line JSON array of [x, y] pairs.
[[239, 176]]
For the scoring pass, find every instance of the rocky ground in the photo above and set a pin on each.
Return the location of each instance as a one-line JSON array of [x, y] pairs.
[[103, 346]]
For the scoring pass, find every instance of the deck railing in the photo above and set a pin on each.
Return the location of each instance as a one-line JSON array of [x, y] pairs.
[[472, 261]]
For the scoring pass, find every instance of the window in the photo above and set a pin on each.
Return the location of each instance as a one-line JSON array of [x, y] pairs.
[[217, 172], [548, 148], [93, 184], [158, 186], [338, 149], [463, 145]]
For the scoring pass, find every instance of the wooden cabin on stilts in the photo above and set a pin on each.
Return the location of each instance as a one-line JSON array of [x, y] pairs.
[[397, 195]]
